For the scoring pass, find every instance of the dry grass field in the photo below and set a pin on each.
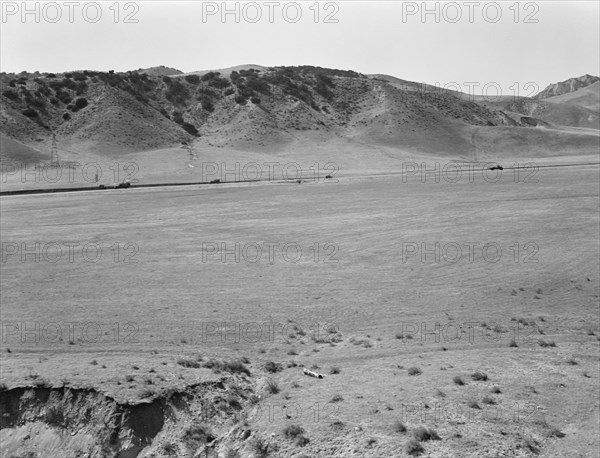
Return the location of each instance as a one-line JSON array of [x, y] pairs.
[[162, 345]]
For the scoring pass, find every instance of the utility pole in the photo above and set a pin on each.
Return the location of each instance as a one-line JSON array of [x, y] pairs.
[[54, 152]]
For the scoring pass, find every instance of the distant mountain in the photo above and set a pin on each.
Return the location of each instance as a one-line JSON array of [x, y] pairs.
[[574, 103], [227, 71], [160, 71], [564, 87], [586, 97]]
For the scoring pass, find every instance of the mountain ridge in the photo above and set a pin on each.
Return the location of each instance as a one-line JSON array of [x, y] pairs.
[[569, 85]]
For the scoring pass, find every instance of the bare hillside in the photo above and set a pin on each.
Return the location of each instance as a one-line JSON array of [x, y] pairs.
[[570, 85]]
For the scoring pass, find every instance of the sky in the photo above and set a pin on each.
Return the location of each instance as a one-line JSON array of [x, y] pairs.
[[515, 46]]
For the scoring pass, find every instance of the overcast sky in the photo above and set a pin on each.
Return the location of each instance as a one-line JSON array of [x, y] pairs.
[[538, 42]]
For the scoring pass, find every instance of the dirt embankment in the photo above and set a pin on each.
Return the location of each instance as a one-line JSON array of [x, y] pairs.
[[81, 422]]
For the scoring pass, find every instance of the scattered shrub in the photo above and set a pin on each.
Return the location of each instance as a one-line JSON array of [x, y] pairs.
[[414, 447], [488, 400], [399, 427], [196, 435], [273, 367], [169, 449], [272, 387], [293, 431], [458, 380], [337, 425], [260, 447], [479, 376], [423, 434], [555, 432], [473, 405], [531, 445], [233, 402], [235, 366], [414, 371]]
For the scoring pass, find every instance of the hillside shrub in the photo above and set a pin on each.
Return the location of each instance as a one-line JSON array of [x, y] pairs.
[[12, 95], [190, 129], [177, 93], [30, 112], [208, 105], [192, 79], [63, 96], [79, 104]]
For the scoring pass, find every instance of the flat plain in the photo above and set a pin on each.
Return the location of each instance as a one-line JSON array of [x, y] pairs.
[[391, 286]]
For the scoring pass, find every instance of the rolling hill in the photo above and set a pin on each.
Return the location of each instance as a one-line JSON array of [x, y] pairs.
[[365, 123]]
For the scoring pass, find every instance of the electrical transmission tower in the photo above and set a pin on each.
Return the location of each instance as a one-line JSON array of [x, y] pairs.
[[54, 152]]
